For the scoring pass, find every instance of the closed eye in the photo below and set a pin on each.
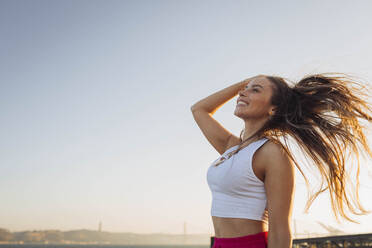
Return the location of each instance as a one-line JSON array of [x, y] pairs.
[[254, 89]]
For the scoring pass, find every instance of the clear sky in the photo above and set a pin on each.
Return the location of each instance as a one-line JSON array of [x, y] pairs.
[[96, 95]]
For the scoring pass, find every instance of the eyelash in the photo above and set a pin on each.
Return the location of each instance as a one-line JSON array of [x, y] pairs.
[[254, 89]]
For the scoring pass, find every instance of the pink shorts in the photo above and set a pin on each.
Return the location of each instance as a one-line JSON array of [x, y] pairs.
[[257, 240]]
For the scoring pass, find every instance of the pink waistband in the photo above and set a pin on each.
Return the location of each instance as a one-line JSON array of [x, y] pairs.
[[261, 236]]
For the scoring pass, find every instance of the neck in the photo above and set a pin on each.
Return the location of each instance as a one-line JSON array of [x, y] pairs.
[[252, 126]]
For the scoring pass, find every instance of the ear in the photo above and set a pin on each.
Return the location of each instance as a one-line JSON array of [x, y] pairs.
[[272, 111]]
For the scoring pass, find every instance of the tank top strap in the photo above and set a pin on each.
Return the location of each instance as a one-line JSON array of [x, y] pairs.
[[257, 144]]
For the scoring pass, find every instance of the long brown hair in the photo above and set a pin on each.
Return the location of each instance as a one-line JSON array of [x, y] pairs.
[[321, 113]]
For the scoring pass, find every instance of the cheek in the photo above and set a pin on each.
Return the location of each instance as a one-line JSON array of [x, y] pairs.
[[260, 101], [260, 104]]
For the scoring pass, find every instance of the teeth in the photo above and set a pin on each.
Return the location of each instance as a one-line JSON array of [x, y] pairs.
[[242, 103]]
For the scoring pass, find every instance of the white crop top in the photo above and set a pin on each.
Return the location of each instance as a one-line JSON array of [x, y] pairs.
[[236, 191]]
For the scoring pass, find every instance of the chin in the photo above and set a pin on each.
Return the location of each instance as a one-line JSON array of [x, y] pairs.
[[246, 115], [242, 115]]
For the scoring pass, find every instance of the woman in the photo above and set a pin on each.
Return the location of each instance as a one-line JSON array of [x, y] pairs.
[[254, 194]]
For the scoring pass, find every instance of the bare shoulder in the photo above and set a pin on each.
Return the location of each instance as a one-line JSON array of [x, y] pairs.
[[272, 156]]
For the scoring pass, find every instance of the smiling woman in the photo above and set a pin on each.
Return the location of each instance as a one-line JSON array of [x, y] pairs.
[[254, 101], [252, 183]]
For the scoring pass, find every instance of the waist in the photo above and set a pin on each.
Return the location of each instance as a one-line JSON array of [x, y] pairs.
[[237, 227]]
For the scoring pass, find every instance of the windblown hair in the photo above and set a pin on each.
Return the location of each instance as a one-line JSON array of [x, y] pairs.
[[321, 113]]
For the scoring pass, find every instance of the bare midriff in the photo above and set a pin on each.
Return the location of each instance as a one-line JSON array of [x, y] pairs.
[[237, 227]]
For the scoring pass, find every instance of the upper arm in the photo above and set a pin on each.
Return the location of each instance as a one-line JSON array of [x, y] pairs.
[[279, 185], [216, 134]]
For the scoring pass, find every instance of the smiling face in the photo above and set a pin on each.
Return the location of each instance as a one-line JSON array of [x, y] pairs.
[[257, 94]]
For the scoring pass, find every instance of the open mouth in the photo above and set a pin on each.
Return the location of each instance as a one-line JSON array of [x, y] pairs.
[[242, 104]]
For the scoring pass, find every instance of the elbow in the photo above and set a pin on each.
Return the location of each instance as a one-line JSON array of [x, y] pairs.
[[194, 107]]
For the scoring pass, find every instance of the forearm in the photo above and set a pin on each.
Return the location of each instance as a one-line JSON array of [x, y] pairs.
[[279, 240], [216, 100]]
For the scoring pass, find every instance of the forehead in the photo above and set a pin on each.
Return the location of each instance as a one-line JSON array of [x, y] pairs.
[[259, 81]]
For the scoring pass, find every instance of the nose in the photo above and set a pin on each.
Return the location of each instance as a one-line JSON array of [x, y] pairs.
[[242, 92]]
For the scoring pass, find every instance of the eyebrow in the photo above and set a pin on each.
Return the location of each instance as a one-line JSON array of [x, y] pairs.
[[256, 85]]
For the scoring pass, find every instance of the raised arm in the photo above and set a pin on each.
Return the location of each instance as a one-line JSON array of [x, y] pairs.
[[216, 134]]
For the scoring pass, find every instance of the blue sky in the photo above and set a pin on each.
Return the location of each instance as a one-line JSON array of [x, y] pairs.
[[96, 96]]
